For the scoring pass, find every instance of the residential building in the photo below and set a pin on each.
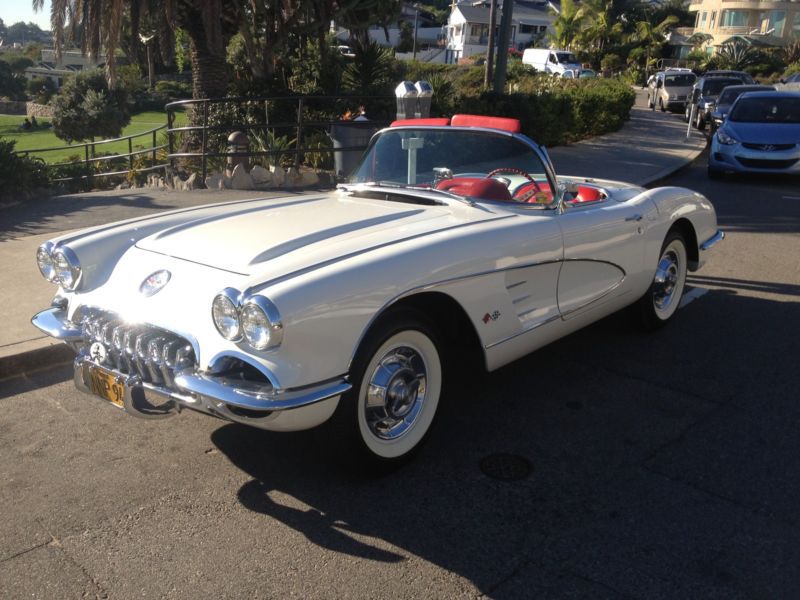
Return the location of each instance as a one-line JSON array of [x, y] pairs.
[[755, 22], [468, 26], [55, 69]]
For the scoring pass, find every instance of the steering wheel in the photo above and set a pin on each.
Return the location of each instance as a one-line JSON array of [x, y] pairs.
[[524, 192]]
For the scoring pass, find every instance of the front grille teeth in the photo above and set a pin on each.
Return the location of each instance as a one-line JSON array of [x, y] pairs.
[[152, 353]]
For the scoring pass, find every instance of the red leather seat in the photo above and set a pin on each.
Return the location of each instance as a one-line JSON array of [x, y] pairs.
[[587, 194], [476, 187]]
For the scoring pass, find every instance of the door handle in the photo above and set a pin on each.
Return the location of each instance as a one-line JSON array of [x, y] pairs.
[[634, 218]]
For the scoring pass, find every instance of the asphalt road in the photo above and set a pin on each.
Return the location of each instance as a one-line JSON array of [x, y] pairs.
[[664, 465]]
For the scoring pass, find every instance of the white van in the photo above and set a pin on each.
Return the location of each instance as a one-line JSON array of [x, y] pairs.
[[550, 60]]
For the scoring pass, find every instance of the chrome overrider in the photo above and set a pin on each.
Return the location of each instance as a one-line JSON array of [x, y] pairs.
[[151, 393]]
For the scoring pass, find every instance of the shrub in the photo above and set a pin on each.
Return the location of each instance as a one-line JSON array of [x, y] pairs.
[[554, 111], [20, 175], [85, 108], [41, 89]]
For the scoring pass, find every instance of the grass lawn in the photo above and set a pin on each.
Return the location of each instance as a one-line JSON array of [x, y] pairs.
[[42, 137]]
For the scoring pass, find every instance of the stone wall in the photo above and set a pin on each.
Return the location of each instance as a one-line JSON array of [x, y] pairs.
[[39, 110]]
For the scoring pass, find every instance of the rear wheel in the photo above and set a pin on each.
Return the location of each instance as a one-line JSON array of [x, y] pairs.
[[659, 305], [397, 383], [699, 122]]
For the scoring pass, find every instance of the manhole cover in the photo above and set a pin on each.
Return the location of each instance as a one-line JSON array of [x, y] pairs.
[[506, 467]]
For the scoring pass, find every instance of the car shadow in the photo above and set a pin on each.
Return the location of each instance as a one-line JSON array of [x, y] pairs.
[[605, 417]]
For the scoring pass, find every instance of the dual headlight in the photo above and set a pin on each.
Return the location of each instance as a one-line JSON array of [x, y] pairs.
[[59, 265], [725, 139], [257, 320]]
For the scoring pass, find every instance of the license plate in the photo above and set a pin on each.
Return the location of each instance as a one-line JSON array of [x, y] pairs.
[[104, 384]]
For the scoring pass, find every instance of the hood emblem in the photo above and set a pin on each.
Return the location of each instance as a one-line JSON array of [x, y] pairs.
[[768, 147], [154, 282]]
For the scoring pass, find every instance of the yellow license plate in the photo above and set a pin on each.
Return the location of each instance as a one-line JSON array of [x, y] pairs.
[[104, 384]]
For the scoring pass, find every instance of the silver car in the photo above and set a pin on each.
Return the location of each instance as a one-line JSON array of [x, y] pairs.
[[669, 89]]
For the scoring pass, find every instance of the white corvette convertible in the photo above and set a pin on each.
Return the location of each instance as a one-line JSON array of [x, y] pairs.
[[284, 313]]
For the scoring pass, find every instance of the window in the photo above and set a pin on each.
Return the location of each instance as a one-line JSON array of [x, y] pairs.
[[527, 28], [713, 20], [734, 18], [796, 25], [772, 21]]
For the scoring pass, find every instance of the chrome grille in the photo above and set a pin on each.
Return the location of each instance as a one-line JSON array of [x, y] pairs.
[[152, 353]]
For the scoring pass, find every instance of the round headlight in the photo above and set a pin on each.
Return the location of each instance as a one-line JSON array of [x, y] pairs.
[[67, 268], [225, 313], [261, 323], [45, 261]]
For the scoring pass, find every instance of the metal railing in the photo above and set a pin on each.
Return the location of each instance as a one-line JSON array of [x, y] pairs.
[[213, 119], [90, 157]]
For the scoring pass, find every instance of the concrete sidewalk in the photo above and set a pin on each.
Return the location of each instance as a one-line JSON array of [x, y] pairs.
[[650, 146]]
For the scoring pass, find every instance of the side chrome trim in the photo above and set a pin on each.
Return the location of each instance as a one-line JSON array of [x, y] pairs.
[[54, 323], [717, 237]]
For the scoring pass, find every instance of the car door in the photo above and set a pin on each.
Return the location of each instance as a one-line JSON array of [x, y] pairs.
[[603, 247]]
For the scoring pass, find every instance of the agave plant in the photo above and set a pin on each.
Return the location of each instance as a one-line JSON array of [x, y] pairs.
[[370, 72], [736, 55]]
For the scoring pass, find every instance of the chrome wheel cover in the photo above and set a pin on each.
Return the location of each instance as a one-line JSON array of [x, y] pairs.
[[669, 280], [396, 392]]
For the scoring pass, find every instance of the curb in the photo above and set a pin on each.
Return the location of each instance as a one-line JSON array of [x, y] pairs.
[[35, 360], [669, 171]]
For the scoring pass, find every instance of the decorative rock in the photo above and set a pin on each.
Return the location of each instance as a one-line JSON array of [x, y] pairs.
[[278, 175], [308, 178], [215, 182], [240, 179], [260, 175], [193, 183]]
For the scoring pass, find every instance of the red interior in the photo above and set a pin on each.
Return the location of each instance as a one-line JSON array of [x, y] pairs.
[[587, 194], [476, 187]]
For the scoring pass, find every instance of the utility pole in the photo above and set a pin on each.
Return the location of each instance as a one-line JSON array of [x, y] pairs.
[[487, 73], [416, 17], [502, 47]]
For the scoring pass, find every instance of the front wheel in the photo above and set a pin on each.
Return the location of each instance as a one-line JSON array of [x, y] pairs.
[[397, 383], [659, 305]]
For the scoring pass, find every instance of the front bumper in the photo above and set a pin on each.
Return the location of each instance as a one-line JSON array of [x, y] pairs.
[[739, 159], [253, 403]]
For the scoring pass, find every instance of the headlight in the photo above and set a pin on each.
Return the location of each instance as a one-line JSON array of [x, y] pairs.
[[724, 138], [225, 312], [261, 323], [44, 259], [67, 268]]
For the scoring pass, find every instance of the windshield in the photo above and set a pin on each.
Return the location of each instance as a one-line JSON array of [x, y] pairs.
[[682, 80], [457, 160], [713, 87], [766, 110], [730, 94], [567, 57]]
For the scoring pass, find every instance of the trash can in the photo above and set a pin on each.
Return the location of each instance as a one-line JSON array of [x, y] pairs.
[[346, 134]]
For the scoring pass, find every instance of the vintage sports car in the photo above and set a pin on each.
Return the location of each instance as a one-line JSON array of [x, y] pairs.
[[285, 313]]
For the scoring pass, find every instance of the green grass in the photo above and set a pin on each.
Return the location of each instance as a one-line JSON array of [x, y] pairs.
[[42, 137]]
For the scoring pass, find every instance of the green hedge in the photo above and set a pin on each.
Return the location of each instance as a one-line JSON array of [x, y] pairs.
[[554, 111]]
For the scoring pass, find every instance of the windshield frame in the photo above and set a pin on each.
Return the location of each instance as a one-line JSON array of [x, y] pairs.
[[539, 151]]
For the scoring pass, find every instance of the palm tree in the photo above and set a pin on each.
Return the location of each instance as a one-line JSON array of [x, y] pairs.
[[602, 28], [567, 24], [653, 36], [209, 25]]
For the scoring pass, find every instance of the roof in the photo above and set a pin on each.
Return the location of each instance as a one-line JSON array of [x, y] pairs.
[[756, 40], [526, 13]]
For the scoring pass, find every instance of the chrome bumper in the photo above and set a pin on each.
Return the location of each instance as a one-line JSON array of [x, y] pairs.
[[250, 403], [717, 237]]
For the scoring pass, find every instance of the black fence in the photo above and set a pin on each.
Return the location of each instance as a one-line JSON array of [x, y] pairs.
[[323, 132]]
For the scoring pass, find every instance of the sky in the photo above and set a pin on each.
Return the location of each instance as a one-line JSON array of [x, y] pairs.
[[13, 11]]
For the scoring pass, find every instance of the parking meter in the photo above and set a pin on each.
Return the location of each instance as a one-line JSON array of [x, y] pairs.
[[424, 97], [406, 94]]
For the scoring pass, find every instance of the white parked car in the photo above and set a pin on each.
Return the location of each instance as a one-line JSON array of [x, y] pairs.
[[285, 313]]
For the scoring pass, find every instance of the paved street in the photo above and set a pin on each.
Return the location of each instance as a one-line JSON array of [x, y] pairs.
[[663, 466]]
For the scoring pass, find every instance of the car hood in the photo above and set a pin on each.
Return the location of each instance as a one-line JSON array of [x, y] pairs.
[[280, 235], [764, 133]]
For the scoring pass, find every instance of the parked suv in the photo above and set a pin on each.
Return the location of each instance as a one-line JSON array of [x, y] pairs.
[[669, 89], [704, 97]]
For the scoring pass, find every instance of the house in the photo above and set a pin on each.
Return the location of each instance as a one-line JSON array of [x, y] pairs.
[[468, 26], [71, 62], [753, 22]]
